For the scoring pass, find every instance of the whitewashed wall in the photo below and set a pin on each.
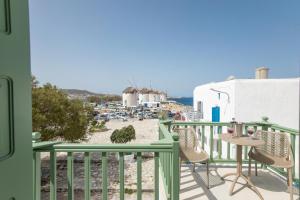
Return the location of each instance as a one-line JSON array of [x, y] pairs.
[[250, 99], [277, 99], [143, 98], [129, 99]]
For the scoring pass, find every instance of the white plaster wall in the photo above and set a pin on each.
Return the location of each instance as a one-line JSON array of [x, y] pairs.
[[143, 98], [132, 99], [210, 99], [163, 97], [151, 97], [277, 99]]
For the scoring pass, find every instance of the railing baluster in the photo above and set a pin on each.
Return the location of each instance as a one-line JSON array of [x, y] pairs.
[[139, 175], [37, 175], [168, 159], [246, 147], [52, 175], [104, 175], [121, 162], [219, 142], [211, 141], [228, 151], [156, 175], [70, 176], [175, 169], [87, 175], [203, 136], [293, 144]]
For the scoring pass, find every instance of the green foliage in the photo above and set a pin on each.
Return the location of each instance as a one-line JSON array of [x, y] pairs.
[[94, 99], [124, 135], [54, 115], [129, 191], [96, 126], [104, 98]]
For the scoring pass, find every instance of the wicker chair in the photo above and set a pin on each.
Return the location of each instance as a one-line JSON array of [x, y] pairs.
[[276, 152], [190, 149]]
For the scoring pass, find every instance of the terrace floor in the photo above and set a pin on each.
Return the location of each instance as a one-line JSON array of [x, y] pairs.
[[192, 185]]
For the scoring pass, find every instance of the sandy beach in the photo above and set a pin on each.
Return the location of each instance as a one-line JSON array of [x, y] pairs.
[[146, 131]]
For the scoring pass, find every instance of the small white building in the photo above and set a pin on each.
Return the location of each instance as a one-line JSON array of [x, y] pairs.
[[143, 96], [248, 100], [152, 95], [162, 97], [130, 97]]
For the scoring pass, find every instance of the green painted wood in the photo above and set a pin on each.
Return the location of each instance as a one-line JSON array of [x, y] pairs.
[[16, 156], [70, 176], [202, 136], [52, 175], [139, 175], [293, 144], [245, 147], [122, 176], [181, 123], [37, 175], [87, 176], [228, 150], [175, 170], [211, 143], [219, 142], [156, 176], [104, 176]]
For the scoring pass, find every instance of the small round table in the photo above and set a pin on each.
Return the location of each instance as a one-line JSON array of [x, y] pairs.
[[240, 142]]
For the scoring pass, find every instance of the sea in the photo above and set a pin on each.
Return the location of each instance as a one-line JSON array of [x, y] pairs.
[[188, 101]]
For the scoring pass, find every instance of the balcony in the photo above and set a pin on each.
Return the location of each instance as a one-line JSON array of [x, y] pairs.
[[99, 179]]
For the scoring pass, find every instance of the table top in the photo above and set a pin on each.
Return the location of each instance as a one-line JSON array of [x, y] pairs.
[[242, 140]]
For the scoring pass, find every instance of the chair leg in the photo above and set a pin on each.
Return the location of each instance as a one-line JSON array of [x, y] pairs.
[[249, 167], [194, 165], [207, 174], [290, 182], [255, 168], [180, 163]]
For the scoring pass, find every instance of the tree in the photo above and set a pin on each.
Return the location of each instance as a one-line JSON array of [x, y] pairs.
[[94, 99], [54, 115]]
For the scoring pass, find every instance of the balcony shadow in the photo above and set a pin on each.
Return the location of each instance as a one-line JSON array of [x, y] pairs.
[[199, 178]]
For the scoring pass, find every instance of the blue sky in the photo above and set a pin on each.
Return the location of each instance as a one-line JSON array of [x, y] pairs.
[[106, 45]]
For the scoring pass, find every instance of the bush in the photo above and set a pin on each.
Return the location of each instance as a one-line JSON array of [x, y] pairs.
[[124, 135], [54, 115]]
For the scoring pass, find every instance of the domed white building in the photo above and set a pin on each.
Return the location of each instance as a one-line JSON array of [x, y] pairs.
[[130, 97]]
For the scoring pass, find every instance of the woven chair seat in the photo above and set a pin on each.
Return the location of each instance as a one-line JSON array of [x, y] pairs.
[[270, 160]]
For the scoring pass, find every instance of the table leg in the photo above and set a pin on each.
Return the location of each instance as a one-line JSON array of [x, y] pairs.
[[239, 173]]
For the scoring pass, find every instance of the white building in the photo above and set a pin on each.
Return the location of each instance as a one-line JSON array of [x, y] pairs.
[[130, 97], [143, 96], [248, 100], [162, 97], [152, 96]]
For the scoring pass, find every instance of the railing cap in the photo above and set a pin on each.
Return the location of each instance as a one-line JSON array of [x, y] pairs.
[[36, 136]]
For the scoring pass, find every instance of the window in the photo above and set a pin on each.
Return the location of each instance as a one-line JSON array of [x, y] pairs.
[[200, 106]]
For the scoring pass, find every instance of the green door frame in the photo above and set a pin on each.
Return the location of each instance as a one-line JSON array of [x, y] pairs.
[[15, 102]]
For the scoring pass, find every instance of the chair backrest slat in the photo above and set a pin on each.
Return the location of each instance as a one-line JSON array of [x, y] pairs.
[[276, 143], [187, 138]]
